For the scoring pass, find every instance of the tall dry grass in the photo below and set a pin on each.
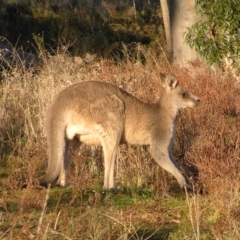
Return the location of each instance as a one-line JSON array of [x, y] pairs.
[[206, 146]]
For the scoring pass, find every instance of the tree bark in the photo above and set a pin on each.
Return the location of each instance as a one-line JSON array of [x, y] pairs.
[[166, 22], [183, 15]]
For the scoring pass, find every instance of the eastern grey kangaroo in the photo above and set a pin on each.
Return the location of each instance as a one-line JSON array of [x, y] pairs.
[[101, 113]]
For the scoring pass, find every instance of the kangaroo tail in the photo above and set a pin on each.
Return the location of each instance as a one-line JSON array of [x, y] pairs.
[[50, 177], [55, 132]]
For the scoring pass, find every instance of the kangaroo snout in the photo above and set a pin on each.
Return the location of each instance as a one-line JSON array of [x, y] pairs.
[[198, 102]]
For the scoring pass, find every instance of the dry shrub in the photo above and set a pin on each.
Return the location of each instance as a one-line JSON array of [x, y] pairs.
[[206, 143], [210, 132], [206, 137]]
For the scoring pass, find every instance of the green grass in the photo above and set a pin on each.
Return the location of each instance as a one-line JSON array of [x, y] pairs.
[[115, 213]]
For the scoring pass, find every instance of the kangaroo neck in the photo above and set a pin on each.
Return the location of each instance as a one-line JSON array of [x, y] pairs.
[[166, 106]]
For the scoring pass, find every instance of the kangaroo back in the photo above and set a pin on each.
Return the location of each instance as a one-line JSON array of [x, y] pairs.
[[98, 113]]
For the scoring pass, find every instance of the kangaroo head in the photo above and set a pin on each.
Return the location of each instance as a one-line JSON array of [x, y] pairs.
[[179, 96]]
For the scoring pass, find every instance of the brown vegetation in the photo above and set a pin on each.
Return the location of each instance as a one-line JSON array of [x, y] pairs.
[[149, 202]]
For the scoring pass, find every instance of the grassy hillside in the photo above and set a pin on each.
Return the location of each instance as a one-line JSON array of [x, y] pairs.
[[149, 204], [85, 26]]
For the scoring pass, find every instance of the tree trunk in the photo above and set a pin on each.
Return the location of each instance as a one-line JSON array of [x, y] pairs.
[[166, 22], [183, 15]]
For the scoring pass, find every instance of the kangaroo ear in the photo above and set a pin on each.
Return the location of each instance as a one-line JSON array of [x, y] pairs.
[[163, 79], [171, 81], [168, 82]]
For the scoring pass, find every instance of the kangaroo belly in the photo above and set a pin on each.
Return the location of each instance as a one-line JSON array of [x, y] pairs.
[[89, 139], [83, 133]]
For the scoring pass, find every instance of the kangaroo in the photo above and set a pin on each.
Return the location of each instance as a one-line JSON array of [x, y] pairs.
[[98, 113]]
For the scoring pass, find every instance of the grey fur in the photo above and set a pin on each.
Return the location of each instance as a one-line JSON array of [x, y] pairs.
[[100, 113]]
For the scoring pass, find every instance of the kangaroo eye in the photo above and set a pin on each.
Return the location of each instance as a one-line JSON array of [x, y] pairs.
[[184, 94]]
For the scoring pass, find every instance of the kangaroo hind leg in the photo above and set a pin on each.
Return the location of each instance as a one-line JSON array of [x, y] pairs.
[[70, 146], [110, 135], [110, 145], [65, 165], [108, 112]]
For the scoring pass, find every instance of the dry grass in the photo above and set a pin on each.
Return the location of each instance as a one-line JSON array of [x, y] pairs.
[[149, 204]]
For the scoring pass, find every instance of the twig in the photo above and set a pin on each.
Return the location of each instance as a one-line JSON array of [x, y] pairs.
[[43, 210], [165, 55], [56, 222], [193, 213], [61, 234]]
